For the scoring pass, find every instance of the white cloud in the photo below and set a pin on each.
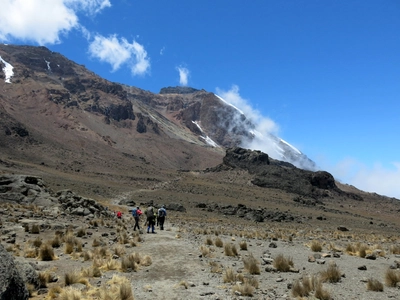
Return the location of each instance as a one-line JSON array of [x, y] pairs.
[[91, 7], [376, 179], [43, 21], [118, 52], [183, 75], [264, 124]]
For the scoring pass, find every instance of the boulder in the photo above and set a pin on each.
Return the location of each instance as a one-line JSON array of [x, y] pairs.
[[12, 285]]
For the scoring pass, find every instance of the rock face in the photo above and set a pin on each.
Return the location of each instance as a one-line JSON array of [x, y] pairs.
[[24, 189], [12, 286], [270, 173]]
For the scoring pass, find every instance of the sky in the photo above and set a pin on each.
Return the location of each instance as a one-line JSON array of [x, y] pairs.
[[322, 75]]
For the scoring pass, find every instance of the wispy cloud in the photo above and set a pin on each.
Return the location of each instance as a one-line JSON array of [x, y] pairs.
[[118, 52], [383, 180], [183, 75], [43, 21]]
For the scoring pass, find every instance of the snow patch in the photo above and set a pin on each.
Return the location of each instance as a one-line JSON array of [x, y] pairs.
[[229, 104], [295, 149], [207, 139], [8, 70], [48, 65]]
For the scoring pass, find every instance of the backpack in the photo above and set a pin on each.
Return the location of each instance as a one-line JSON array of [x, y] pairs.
[[162, 212], [119, 214], [134, 212]]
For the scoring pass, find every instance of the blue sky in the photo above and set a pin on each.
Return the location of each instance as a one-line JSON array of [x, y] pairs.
[[322, 75]]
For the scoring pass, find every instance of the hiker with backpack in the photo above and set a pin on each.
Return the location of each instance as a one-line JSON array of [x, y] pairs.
[[136, 213], [151, 219], [162, 214]]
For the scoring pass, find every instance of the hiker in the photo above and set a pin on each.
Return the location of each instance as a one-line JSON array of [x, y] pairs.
[[136, 213], [151, 219], [119, 214], [162, 214]]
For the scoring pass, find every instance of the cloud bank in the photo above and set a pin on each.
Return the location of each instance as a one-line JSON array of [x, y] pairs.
[[118, 52], [183, 75], [43, 21]]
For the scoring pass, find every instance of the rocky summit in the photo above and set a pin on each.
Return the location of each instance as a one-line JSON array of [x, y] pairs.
[[76, 148]]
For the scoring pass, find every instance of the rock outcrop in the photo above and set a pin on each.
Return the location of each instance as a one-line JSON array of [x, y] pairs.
[[12, 286]]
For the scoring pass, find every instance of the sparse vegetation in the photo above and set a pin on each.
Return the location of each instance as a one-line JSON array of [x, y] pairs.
[[243, 245], [392, 277], [282, 263], [46, 252], [219, 243], [251, 265], [374, 285], [230, 250], [331, 274], [316, 246]]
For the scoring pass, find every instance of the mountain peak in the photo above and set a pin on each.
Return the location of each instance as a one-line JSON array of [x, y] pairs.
[[178, 90]]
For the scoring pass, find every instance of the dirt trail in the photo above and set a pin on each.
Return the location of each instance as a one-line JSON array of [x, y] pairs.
[[174, 260]]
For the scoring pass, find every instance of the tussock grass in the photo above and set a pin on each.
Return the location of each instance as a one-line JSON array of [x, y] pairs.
[[56, 242], [128, 264], [244, 289], [316, 246], [331, 274], [209, 241], [374, 285], [70, 293], [229, 275], [46, 252], [35, 229], [218, 242], [394, 249], [74, 277], [37, 242], [215, 267], [120, 288], [392, 277], [81, 232], [321, 293], [282, 263], [205, 251], [243, 245], [119, 250], [230, 250], [251, 265], [146, 261]]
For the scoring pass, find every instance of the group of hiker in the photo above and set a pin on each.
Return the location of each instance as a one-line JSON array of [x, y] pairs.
[[153, 216]]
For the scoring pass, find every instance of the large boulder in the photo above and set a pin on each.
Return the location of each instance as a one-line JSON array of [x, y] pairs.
[[25, 189], [12, 286]]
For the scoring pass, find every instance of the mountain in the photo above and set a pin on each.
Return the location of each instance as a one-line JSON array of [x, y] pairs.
[[61, 121]]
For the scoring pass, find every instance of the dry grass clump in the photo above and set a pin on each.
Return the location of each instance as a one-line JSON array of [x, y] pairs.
[[92, 271], [229, 275], [209, 241], [282, 263], [358, 249], [37, 242], [215, 267], [230, 250], [251, 265], [31, 252], [102, 252], [119, 250], [374, 285], [69, 293], [184, 283], [308, 284], [128, 264], [244, 289], [332, 274], [394, 249], [243, 245], [46, 252], [146, 261], [81, 232], [392, 277], [120, 288], [74, 277], [218, 242], [35, 229], [316, 246], [56, 242], [205, 251]]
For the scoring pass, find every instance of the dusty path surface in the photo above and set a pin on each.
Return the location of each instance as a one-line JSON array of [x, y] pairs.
[[175, 264]]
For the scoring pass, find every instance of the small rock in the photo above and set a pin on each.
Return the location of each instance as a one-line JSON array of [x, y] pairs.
[[362, 268], [273, 245]]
